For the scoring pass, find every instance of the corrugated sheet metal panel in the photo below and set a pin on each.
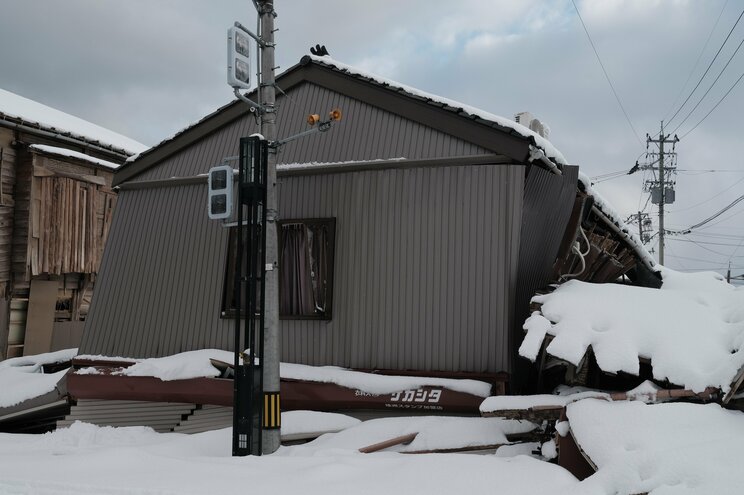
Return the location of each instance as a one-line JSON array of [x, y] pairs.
[[161, 277], [548, 201], [425, 270], [365, 133], [425, 262]]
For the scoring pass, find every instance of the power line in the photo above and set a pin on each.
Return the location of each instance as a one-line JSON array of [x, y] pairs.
[[716, 106], [710, 87], [612, 86], [711, 198], [710, 35], [706, 70], [712, 217]]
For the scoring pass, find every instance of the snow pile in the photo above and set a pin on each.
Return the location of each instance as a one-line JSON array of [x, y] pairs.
[[692, 329], [540, 141], [196, 364], [22, 378], [183, 366], [379, 384], [28, 111], [662, 448], [54, 150], [108, 461], [609, 211], [433, 433], [524, 402], [307, 422]]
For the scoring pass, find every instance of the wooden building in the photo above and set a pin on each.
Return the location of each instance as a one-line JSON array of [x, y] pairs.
[[56, 205], [441, 221]]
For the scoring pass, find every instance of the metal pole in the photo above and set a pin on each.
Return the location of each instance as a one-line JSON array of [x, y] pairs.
[[271, 351], [662, 187], [640, 228]]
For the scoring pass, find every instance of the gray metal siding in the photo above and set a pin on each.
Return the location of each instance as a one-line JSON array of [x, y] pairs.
[[365, 133], [548, 202], [425, 270], [425, 267]]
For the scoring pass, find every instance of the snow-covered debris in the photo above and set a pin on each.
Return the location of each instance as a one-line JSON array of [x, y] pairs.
[[609, 211], [378, 384], [524, 402], [64, 152], [196, 364], [433, 433], [663, 448], [550, 150], [13, 106], [693, 337], [308, 422], [22, 379]]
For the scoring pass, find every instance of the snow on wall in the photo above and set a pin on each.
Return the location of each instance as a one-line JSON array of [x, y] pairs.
[[550, 150], [17, 107], [54, 150], [692, 329]]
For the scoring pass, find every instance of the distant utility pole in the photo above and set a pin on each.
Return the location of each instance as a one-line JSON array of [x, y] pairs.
[[661, 188], [271, 351], [644, 225]]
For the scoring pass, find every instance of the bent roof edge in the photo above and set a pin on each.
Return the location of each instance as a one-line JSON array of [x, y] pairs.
[[452, 117]]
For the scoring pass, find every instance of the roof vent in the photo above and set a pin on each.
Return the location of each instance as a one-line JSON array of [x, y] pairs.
[[530, 122]]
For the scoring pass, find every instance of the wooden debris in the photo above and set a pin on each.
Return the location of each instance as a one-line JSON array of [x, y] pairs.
[[401, 440]]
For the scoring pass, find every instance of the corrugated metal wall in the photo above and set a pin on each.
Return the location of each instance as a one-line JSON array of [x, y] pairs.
[[543, 228], [425, 269], [365, 133]]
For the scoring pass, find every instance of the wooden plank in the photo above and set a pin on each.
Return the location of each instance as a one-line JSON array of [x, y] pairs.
[[40, 317], [401, 440]]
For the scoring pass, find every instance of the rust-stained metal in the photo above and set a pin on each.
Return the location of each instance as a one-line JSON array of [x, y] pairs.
[[401, 440]]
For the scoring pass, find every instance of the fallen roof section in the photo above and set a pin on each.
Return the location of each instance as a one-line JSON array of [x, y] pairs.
[[692, 335]]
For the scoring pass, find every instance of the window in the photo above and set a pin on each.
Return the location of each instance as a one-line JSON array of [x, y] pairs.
[[306, 254]]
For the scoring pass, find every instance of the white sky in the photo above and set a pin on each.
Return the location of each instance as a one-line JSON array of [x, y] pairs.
[[148, 68]]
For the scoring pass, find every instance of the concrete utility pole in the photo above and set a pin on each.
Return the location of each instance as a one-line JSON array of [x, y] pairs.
[[662, 184], [272, 345]]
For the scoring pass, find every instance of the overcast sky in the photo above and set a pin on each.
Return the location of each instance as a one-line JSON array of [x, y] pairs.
[[147, 68]]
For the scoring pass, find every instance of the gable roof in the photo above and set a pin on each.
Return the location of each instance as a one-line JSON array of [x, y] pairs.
[[19, 110], [490, 131]]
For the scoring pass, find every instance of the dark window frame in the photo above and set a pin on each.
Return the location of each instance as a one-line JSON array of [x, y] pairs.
[[227, 290]]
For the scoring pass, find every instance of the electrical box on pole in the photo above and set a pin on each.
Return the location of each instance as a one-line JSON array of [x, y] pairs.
[[220, 200], [238, 59], [250, 300]]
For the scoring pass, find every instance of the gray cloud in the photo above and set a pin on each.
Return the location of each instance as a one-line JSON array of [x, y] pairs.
[[148, 68]]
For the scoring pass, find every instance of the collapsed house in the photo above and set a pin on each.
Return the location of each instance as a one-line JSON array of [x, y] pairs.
[[56, 206]]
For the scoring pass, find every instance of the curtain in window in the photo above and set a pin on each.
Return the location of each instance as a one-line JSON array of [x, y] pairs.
[[319, 266], [297, 295]]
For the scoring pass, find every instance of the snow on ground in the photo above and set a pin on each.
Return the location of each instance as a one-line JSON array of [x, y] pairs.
[[692, 328], [661, 449], [86, 459], [21, 378], [302, 422], [54, 150], [18, 107]]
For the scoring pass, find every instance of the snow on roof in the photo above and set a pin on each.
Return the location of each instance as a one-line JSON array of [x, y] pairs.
[[607, 210], [692, 329], [550, 150], [22, 379], [53, 150], [196, 364], [13, 106], [662, 448]]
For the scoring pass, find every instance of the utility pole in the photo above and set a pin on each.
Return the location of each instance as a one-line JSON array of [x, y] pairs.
[[271, 345], [660, 187]]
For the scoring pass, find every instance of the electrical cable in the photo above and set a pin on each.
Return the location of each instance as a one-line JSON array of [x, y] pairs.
[[716, 106], [697, 62], [718, 195], [706, 70], [710, 218], [709, 87], [617, 97]]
